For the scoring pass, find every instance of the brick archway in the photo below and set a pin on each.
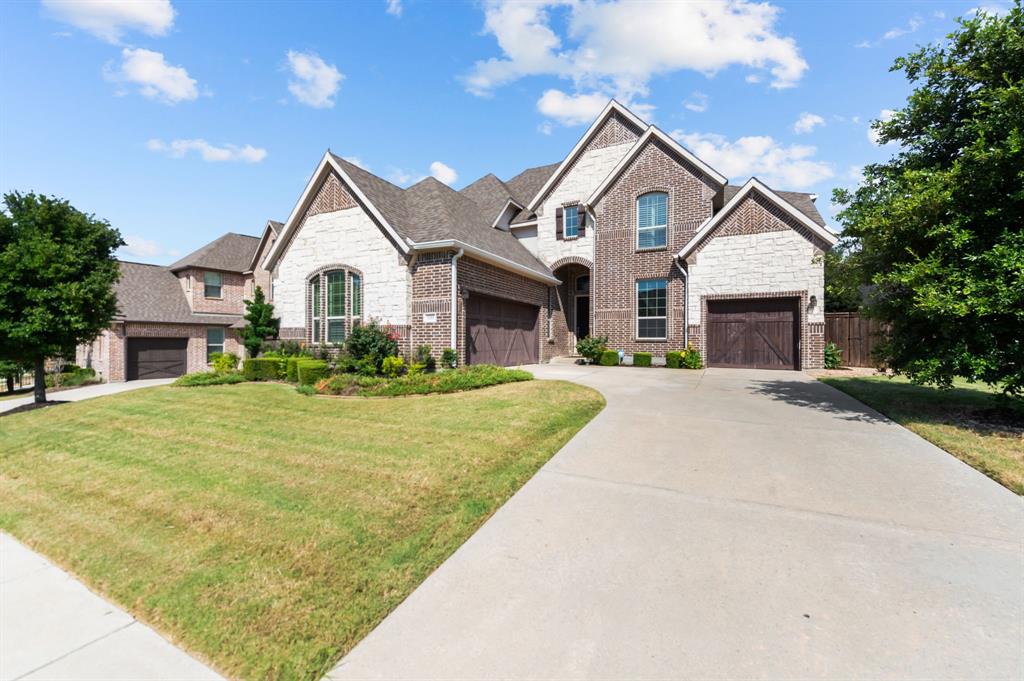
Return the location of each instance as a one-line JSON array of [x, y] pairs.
[[572, 260], [572, 306]]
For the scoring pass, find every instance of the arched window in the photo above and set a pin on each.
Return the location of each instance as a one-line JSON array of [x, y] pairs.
[[652, 221], [335, 304]]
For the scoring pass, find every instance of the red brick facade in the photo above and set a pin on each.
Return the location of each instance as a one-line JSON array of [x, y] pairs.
[[196, 353], [232, 292]]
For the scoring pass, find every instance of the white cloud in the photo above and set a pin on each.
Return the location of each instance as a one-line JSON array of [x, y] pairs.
[[911, 27], [571, 109], [698, 101], [155, 77], [780, 166], [883, 115], [617, 47], [209, 152], [990, 9], [807, 122], [110, 19], [443, 173], [394, 7], [356, 161], [315, 82], [546, 128], [139, 247], [403, 178]]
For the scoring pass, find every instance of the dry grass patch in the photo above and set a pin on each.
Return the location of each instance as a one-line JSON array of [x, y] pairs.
[[266, 531]]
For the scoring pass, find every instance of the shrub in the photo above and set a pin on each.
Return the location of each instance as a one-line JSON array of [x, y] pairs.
[[464, 378], [311, 370], [592, 347], [263, 369], [208, 378], [673, 360], [372, 339], [392, 367], [291, 348], [609, 358], [448, 358], [348, 384], [641, 359], [306, 390], [833, 356], [415, 369], [367, 366], [71, 377], [691, 358], [424, 357], [223, 362], [345, 363], [291, 371]]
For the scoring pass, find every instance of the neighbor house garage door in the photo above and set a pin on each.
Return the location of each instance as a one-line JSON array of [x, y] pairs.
[[501, 332], [756, 334], [156, 357]]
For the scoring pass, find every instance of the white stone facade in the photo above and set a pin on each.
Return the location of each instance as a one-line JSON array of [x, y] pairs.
[[347, 237]]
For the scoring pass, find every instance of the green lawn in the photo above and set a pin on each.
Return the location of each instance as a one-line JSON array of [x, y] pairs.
[[265, 531], [965, 421]]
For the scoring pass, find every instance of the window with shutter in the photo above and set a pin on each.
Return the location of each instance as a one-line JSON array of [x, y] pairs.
[[571, 222], [559, 234]]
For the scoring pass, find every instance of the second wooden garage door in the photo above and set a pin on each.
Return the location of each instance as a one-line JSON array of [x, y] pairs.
[[755, 334], [501, 332]]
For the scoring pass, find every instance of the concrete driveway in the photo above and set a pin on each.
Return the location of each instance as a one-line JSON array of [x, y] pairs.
[[725, 524], [84, 393]]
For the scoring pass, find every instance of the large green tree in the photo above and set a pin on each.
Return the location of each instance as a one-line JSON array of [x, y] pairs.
[[260, 323], [940, 226], [57, 275]]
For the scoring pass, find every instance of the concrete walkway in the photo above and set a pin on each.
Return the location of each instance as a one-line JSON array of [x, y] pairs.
[[725, 524], [84, 393], [53, 627]]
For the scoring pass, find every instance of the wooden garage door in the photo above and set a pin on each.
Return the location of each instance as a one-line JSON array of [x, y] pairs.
[[501, 332], [156, 357], [756, 334]]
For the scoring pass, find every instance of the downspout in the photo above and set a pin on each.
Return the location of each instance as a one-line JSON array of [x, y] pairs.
[[593, 280], [686, 301], [455, 298]]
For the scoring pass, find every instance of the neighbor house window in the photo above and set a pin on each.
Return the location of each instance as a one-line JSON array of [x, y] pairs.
[[652, 220], [214, 341], [212, 284], [316, 311], [357, 296], [572, 222], [651, 307], [336, 306]]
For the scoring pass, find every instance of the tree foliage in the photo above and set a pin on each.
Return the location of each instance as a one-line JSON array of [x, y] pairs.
[[940, 226], [260, 323], [843, 282], [57, 273]]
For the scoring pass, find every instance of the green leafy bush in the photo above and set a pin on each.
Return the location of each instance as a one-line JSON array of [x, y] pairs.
[[263, 369], [641, 359], [312, 370], [673, 360], [291, 371], [448, 358], [424, 357], [464, 378], [415, 369], [592, 347], [392, 367], [691, 358], [306, 390], [367, 366], [223, 362], [71, 377], [372, 340], [833, 356], [208, 378], [609, 358]]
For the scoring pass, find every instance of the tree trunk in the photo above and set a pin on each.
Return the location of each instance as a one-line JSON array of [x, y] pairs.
[[10, 383], [40, 387]]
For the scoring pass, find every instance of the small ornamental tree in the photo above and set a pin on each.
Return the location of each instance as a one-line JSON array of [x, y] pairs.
[[57, 275], [260, 323]]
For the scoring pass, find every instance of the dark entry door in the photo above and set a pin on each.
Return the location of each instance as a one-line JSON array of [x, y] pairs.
[[754, 334], [582, 316], [156, 357], [501, 332]]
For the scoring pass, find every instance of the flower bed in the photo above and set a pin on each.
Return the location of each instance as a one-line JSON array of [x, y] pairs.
[[454, 380]]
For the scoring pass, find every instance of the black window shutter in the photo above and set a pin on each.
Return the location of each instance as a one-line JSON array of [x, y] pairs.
[[559, 229], [582, 221]]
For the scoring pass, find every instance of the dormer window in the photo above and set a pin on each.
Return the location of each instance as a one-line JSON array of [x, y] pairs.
[[652, 221], [212, 282], [572, 222]]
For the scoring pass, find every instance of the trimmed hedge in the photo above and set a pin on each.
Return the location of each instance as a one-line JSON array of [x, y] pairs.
[[609, 358], [310, 371], [262, 369], [208, 378], [291, 373], [674, 360], [455, 380], [641, 359]]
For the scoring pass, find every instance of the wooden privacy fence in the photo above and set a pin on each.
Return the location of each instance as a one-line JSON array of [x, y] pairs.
[[856, 336]]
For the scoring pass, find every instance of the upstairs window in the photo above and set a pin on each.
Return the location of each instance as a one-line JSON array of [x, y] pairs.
[[652, 221], [572, 222], [212, 282]]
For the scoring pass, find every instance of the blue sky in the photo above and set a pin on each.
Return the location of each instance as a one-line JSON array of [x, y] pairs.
[[179, 121]]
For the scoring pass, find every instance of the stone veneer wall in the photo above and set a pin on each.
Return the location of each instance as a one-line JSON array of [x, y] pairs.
[[196, 352]]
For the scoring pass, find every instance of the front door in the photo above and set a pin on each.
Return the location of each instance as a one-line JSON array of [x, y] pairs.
[[582, 317]]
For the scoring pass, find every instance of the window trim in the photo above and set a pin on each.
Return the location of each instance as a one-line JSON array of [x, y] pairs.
[[343, 317], [352, 280], [220, 285], [663, 227], [223, 341], [636, 311], [575, 208], [315, 302]]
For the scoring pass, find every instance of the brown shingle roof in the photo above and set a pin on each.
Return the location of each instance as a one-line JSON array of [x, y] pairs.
[[526, 184], [231, 253], [490, 194], [799, 200], [153, 293]]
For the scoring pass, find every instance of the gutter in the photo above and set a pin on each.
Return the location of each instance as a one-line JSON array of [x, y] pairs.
[[486, 256], [455, 298], [686, 301]]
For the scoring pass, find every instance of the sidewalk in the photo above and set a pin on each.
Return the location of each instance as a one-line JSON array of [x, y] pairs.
[[53, 627], [84, 393]]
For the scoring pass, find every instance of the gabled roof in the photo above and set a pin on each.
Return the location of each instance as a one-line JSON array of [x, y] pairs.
[[652, 134], [526, 184], [153, 293], [230, 253], [752, 185], [273, 228], [799, 200], [490, 194]]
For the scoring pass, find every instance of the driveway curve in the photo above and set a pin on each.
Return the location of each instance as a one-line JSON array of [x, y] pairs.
[[725, 524]]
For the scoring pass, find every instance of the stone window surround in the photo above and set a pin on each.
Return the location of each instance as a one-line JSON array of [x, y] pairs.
[[655, 189], [320, 274], [802, 350]]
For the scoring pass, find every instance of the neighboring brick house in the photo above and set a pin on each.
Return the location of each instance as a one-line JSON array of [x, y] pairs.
[[631, 236], [170, 319]]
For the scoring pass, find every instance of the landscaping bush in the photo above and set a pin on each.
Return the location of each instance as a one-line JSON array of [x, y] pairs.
[[673, 360], [71, 377], [415, 369], [424, 357], [641, 359], [448, 358], [208, 378], [372, 340], [833, 356], [348, 384], [263, 369], [392, 367], [345, 363], [306, 390], [465, 378], [291, 371], [691, 358], [592, 347], [609, 358], [223, 362], [367, 366], [312, 370]]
